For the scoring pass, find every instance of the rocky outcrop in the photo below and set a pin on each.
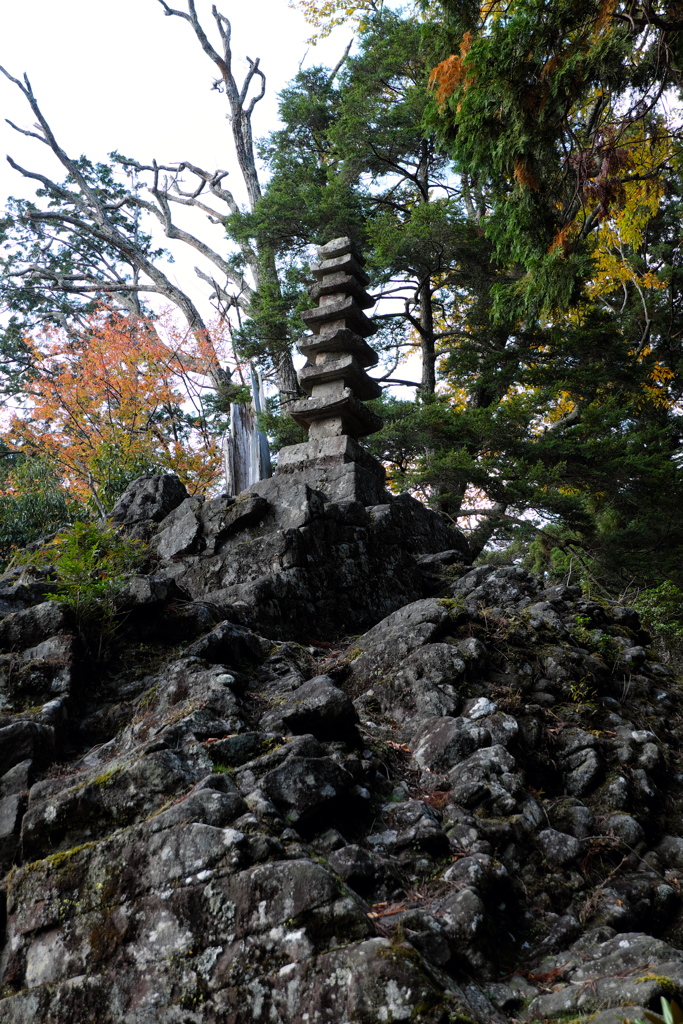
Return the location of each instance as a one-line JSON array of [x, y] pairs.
[[284, 560], [469, 811]]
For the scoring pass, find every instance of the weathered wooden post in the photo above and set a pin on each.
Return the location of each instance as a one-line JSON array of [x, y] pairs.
[[246, 457]]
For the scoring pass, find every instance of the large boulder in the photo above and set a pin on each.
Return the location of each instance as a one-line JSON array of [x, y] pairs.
[[148, 499], [336, 776], [316, 707]]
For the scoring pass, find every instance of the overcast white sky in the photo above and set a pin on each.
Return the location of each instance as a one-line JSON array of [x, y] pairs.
[[120, 75]]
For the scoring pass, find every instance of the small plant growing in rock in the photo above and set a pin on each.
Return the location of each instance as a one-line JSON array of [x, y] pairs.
[[599, 642], [661, 609], [582, 694], [91, 563], [671, 1014]]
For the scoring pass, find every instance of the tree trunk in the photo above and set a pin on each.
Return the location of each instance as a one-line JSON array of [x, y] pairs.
[[287, 380], [482, 534], [242, 101], [428, 384], [277, 345]]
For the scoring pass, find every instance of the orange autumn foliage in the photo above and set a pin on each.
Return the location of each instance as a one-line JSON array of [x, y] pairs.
[[116, 391], [451, 72], [525, 176]]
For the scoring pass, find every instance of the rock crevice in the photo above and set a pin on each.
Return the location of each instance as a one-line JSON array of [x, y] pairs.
[[467, 811]]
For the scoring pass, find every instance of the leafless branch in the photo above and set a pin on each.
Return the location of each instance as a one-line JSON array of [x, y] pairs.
[[241, 110], [569, 420], [85, 210], [340, 63], [49, 139], [163, 214], [63, 193], [224, 300], [181, 199], [93, 220], [24, 131], [396, 380]]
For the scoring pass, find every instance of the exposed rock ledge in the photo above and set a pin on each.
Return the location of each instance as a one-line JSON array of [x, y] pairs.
[[470, 812]]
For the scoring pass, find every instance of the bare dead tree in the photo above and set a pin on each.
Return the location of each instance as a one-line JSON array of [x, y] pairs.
[[121, 265], [85, 212], [241, 101]]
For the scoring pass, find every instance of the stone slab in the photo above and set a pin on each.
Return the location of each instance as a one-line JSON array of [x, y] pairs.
[[345, 369], [341, 481], [326, 453], [339, 339], [339, 281], [349, 263], [356, 419], [339, 247], [346, 309]]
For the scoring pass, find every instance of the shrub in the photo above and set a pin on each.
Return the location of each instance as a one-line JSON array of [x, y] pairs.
[[91, 564]]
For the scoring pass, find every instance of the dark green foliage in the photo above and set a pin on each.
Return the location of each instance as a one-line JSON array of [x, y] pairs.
[[549, 416], [570, 419], [37, 505], [661, 609], [541, 113], [91, 563], [353, 159], [559, 407], [274, 323], [307, 202]]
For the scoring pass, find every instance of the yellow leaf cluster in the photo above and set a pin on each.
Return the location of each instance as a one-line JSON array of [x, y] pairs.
[[563, 405], [493, 10], [622, 233], [657, 393], [326, 15]]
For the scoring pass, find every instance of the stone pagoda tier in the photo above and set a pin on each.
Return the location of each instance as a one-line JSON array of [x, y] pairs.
[[334, 376], [336, 382]]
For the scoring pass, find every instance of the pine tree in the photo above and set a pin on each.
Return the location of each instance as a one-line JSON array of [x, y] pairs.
[[558, 362]]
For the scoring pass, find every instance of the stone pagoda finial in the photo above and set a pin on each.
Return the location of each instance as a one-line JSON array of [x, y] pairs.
[[337, 352], [332, 461]]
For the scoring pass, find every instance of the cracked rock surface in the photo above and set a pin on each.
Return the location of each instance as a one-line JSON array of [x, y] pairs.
[[335, 774]]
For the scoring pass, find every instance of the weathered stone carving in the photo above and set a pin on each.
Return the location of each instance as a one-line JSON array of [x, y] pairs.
[[337, 352], [336, 381]]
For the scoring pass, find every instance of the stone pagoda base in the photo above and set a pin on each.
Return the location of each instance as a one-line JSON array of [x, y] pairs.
[[338, 467]]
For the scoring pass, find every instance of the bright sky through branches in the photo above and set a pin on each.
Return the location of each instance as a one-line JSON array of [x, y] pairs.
[[124, 76]]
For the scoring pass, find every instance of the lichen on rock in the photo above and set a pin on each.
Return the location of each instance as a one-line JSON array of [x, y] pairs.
[[333, 774]]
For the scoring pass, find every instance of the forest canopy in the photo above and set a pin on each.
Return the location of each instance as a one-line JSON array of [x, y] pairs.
[[512, 172]]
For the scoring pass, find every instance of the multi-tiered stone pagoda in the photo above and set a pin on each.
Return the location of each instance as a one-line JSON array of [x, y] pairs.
[[336, 382]]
